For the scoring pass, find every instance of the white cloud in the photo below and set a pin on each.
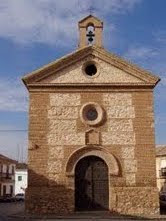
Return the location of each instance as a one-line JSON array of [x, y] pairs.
[[140, 52], [50, 21], [13, 95]]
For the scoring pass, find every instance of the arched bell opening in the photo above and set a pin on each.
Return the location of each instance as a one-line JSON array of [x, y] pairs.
[[90, 34], [91, 184]]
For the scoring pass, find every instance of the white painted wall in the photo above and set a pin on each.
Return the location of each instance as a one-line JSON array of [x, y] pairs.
[[11, 167], [161, 182], [7, 188], [7, 182], [20, 185]]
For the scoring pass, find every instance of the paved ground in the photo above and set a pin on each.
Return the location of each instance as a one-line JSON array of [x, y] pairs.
[[8, 209]]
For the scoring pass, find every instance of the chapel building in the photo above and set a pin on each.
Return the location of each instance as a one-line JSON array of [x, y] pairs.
[[91, 132]]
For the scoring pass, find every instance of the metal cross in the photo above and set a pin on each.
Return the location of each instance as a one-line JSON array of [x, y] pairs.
[[91, 10]]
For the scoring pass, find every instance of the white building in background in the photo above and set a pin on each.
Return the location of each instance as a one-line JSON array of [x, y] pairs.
[[21, 177], [7, 176], [161, 167]]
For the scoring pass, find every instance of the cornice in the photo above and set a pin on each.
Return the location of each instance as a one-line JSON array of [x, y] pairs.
[[124, 65], [88, 87]]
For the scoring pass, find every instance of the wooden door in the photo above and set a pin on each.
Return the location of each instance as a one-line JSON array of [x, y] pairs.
[[91, 184]]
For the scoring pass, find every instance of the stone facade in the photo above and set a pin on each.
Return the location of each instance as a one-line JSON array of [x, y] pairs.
[[59, 138], [106, 73]]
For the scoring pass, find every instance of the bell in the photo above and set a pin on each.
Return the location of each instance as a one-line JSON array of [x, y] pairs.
[[90, 36], [90, 39]]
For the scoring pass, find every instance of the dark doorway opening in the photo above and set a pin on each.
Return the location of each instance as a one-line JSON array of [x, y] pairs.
[[4, 190], [91, 184]]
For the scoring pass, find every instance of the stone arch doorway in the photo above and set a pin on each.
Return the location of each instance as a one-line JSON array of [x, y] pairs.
[[91, 184]]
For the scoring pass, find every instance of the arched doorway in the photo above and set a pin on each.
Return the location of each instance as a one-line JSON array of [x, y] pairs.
[[91, 184]]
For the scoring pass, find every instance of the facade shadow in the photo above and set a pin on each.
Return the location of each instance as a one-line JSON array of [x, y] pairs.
[[47, 198]]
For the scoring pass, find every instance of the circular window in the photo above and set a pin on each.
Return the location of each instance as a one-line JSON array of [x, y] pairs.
[[91, 113], [90, 70]]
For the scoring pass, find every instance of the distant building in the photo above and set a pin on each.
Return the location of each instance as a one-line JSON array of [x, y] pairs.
[[21, 176], [7, 178], [161, 168]]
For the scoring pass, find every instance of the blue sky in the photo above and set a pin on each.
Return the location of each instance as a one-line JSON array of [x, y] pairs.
[[36, 32]]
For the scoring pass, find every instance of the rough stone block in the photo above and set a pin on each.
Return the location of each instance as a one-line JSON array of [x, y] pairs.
[[128, 152], [120, 112], [63, 112], [66, 99], [130, 179], [130, 165], [124, 138], [62, 126], [66, 139], [120, 125], [117, 99]]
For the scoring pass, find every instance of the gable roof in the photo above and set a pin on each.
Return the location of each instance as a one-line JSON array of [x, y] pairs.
[[34, 77], [92, 18]]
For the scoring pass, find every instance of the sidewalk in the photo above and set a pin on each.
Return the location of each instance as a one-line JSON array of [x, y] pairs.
[[87, 216]]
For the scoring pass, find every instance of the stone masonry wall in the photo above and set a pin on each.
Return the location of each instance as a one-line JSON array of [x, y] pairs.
[[136, 200], [64, 129], [145, 138], [38, 145], [56, 132], [38, 148]]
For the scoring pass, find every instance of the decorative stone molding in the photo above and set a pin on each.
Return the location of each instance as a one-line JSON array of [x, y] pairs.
[[91, 113], [92, 62], [109, 159], [92, 137]]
